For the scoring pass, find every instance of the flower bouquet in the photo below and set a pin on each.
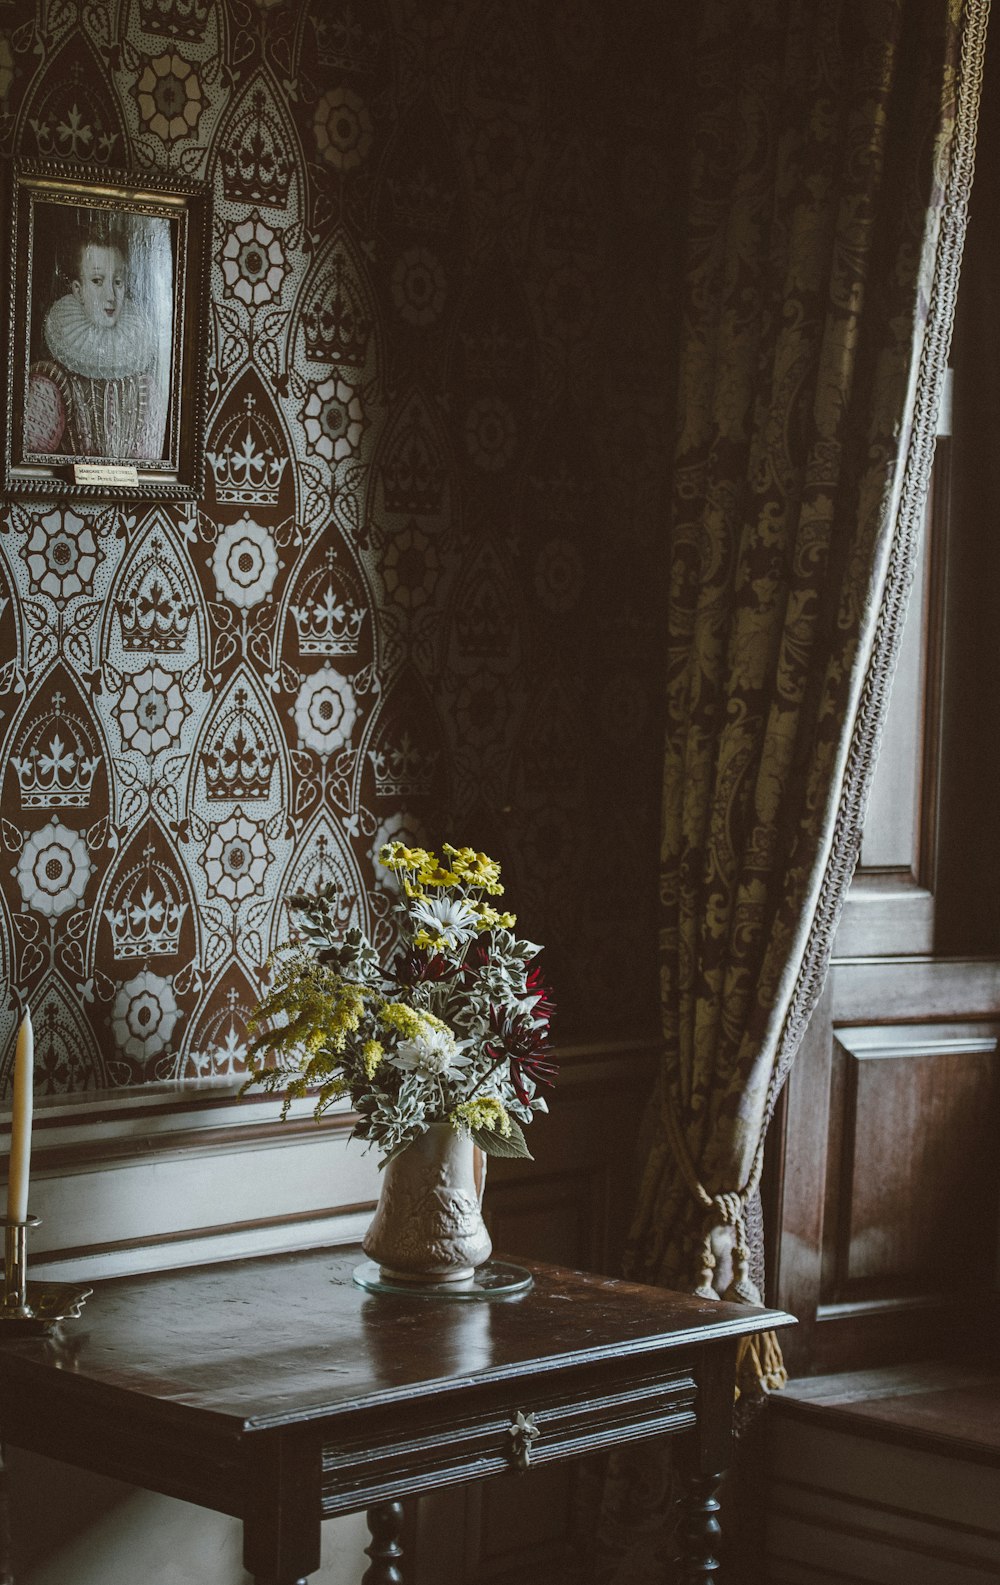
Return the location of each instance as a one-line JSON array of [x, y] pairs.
[[453, 1029], [440, 1049]]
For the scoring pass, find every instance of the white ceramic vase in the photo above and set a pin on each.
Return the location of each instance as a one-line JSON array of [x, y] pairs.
[[428, 1225]]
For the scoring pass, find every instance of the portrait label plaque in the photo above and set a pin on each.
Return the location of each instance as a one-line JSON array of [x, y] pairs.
[[121, 474]]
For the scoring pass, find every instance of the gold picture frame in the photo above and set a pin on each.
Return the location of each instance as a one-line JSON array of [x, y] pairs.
[[107, 282]]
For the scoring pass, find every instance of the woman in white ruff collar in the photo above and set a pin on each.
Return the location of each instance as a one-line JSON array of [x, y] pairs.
[[98, 394]]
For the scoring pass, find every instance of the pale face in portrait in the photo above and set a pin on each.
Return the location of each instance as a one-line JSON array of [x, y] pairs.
[[100, 286]]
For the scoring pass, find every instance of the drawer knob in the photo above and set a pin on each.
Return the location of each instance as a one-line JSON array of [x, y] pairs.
[[522, 1432]]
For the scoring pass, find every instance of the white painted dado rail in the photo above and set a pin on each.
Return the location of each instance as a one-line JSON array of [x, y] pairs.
[[172, 1175]]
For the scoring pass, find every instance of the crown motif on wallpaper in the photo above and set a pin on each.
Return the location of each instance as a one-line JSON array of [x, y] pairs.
[[334, 320], [239, 759], [564, 495], [146, 912], [343, 42], [71, 109], [402, 770], [246, 464], [222, 1039], [57, 762], [153, 613], [322, 867], [413, 476], [482, 623], [329, 616], [176, 19], [64, 1046], [493, 353], [420, 204], [255, 166]]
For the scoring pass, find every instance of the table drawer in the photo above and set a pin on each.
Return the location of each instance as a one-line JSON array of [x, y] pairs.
[[511, 1428]]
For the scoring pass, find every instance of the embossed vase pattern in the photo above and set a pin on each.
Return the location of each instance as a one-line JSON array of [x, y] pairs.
[[428, 1225]]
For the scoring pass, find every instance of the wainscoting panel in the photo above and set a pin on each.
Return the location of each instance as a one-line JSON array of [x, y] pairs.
[[922, 1106], [884, 1175], [845, 1510], [167, 1176]]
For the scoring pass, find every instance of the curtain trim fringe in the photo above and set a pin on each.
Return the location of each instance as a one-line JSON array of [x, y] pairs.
[[845, 838]]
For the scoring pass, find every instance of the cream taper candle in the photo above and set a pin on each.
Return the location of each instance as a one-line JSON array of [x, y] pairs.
[[20, 1123]]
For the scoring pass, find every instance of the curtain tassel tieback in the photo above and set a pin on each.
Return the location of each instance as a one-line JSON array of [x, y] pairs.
[[742, 1288], [725, 1210], [760, 1368], [706, 1265]]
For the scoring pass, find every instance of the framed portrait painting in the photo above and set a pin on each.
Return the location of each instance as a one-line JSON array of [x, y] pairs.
[[106, 293]]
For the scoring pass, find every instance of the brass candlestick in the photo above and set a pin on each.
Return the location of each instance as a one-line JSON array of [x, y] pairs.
[[15, 1270], [30, 1308]]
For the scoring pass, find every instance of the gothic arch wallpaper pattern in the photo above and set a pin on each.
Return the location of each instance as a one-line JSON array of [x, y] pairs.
[[419, 594]]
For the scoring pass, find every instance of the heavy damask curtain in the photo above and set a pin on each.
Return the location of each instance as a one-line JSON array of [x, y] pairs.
[[830, 157]]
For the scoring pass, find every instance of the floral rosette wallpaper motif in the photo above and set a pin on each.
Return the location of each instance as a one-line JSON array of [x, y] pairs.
[[420, 590]]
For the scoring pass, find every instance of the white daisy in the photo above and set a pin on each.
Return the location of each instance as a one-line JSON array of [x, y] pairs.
[[433, 1054], [451, 918]]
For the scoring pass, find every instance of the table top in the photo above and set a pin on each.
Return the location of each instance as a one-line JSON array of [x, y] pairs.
[[261, 1343]]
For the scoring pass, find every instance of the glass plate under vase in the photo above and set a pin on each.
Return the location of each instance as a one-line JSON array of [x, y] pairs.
[[428, 1233]]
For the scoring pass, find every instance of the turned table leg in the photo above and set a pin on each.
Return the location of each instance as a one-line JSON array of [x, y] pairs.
[[700, 1531], [385, 1521]]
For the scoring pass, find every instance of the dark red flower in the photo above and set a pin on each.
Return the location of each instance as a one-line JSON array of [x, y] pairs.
[[524, 1046], [413, 967], [544, 1006]]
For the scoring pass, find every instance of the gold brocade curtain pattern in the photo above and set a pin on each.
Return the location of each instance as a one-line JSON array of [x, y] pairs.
[[830, 158], [829, 163]]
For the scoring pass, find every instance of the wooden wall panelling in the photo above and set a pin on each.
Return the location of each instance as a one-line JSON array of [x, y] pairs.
[[537, 1216], [883, 1176], [898, 989], [847, 1509], [918, 1167], [573, 1204], [794, 1193], [505, 1531]]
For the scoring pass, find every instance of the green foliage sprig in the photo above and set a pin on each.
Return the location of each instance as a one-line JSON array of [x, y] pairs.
[[454, 1028]]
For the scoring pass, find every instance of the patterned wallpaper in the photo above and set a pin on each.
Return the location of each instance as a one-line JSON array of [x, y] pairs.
[[419, 595]]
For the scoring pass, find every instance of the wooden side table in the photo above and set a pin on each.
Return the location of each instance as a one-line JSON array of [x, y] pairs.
[[277, 1391]]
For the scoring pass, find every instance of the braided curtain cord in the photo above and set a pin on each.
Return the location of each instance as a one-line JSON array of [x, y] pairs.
[[760, 1368]]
